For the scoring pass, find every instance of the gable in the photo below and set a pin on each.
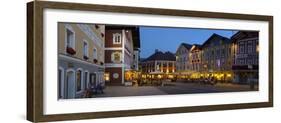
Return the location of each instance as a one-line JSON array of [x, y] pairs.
[[180, 49]]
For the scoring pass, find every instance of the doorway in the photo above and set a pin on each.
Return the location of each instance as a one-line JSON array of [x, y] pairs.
[[93, 77], [70, 85]]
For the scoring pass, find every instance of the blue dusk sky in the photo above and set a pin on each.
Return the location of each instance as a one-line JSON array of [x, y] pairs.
[[168, 39]]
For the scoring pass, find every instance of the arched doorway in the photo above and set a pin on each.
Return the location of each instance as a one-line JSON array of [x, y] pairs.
[[70, 84]]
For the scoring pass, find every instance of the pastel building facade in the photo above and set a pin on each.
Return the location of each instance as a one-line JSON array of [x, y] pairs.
[[80, 58], [183, 65], [217, 57], [195, 58]]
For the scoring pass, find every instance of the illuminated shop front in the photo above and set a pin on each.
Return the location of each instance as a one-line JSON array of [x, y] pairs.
[[132, 75]]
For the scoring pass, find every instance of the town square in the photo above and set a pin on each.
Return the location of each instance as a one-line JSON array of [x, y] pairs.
[[96, 60]]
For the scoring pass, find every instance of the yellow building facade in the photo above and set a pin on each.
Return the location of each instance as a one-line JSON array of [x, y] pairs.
[[80, 58]]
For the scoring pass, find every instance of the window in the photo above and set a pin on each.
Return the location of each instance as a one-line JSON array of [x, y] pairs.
[[242, 62], [257, 61], [250, 47], [223, 53], [106, 77], [78, 81], [101, 58], [158, 66], [241, 47], [69, 38], [85, 49], [256, 42], [218, 53], [117, 38], [116, 57], [250, 61], [95, 54], [86, 76], [237, 62]]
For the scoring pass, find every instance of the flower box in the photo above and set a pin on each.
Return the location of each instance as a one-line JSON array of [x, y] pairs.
[[86, 57], [70, 50], [95, 61], [97, 26]]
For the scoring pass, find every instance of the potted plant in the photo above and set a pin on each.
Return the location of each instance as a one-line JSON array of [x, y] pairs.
[[95, 61], [70, 50], [85, 57], [97, 26]]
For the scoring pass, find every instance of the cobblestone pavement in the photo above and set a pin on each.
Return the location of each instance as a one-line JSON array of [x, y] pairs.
[[171, 88]]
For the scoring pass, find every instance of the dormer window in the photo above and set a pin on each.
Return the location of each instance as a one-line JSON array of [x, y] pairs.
[[117, 38]]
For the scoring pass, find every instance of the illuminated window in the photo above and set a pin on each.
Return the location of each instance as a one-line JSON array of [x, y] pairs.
[[241, 47], [106, 77]]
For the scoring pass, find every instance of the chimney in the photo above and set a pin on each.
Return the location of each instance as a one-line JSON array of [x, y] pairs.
[[156, 50]]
